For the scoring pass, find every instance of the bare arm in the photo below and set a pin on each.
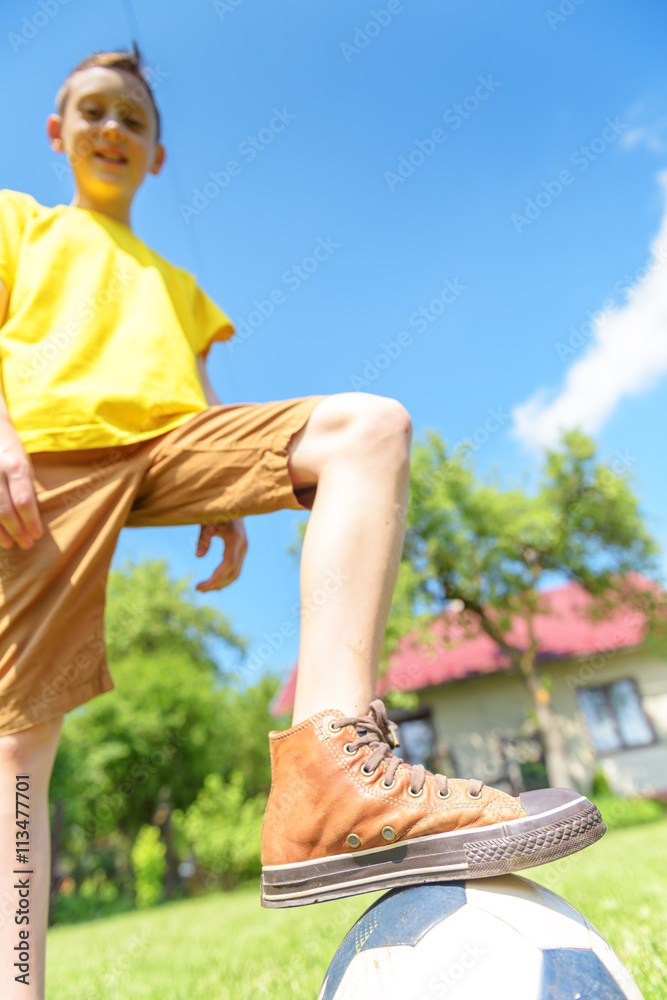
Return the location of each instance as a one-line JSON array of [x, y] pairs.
[[209, 391], [232, 532], [19, 516]]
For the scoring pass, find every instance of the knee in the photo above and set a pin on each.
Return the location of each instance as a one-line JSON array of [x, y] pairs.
[[382, 421], [32, 743], [359, 423]]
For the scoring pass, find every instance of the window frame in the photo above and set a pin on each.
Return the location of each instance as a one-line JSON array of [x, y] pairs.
[[424, 713], [604, 688]]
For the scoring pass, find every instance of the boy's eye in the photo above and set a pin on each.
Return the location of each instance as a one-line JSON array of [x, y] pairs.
[[95, 112]]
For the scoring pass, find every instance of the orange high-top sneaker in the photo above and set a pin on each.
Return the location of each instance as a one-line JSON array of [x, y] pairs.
[[346, 816]]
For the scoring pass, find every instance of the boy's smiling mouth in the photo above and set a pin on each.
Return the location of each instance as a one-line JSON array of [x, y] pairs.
[[108, 155]]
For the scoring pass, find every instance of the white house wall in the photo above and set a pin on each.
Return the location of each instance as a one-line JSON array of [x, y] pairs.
[[470, 715]]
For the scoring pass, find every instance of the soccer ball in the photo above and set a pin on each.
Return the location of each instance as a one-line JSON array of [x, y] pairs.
[[503, 938]]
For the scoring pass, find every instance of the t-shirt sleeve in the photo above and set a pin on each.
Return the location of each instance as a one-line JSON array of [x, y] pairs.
[[14, 209], [211, 323]]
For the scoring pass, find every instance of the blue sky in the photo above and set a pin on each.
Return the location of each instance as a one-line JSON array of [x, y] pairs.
[[539, 197]]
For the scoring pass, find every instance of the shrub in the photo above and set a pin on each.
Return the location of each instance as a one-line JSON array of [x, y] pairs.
[[223, 828], [601, 785], [148, 862], [95, 898], [618, 811], [75, 908]]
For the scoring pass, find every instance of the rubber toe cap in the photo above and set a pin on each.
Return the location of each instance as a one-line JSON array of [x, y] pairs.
[[543, 799]]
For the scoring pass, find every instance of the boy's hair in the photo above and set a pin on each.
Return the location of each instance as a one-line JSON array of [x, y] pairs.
[[120, 59]]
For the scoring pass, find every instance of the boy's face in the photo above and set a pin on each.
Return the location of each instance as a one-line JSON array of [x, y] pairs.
[[108, 132]]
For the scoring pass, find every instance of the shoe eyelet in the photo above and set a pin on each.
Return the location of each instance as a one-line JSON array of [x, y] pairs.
[[386, 786], [388, 833], [332, 727], [441, 796], [416, 795], [349, 752], [353, 840], [366, 774], [471, 796]]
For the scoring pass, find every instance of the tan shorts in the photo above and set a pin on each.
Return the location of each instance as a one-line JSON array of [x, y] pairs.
[[224, 463]]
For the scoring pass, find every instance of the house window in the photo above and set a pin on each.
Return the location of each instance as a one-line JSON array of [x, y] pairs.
[[419, 744], [416, 736], [615, 717], [417, 741]]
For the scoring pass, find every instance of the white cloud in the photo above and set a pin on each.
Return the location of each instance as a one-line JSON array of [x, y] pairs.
[[653, 136], [627, 354], [648, 125]]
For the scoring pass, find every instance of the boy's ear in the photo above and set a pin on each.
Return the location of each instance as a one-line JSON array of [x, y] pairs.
[[53, 126], [158, 159]]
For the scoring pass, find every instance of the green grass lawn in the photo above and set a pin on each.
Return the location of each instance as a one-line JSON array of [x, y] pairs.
[[226, 947]]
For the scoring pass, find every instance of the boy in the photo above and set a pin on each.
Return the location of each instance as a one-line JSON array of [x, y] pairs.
[[108, 419]]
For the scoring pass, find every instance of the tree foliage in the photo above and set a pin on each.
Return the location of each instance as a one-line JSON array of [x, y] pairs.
[[148, 862], [223, 828], [147, 612], [490, 549]]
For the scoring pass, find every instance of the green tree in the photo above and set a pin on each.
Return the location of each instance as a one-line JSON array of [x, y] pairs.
[[148, 612], [149, 865], [223, 829]]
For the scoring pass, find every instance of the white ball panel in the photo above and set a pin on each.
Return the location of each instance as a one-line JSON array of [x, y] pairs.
[[612, 962], [376, 972], [540, 916], [552, 899], [470, 954]]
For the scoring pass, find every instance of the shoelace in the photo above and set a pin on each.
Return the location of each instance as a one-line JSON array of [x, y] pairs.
[[378, 733]]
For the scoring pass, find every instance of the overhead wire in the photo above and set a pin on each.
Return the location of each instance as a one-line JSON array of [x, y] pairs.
[[179, 196]]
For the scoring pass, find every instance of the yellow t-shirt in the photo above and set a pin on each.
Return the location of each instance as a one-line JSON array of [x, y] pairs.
[[100, 341]]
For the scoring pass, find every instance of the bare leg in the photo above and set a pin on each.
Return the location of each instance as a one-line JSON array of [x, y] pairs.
[[337, 789], [30, 752], [356, 447]]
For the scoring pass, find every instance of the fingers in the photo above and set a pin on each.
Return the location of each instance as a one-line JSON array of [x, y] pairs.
[[236, 545], [24, 500], [5, 541], [13, 528], [205, 536], [19, 517], [225, 574]]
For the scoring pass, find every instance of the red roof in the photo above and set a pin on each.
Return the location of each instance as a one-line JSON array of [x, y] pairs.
[[563, 632]]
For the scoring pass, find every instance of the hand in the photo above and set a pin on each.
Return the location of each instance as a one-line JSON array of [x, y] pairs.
[[236, 545], [19, 516]]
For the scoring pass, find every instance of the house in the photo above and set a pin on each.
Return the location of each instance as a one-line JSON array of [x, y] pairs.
[[470, 712]]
